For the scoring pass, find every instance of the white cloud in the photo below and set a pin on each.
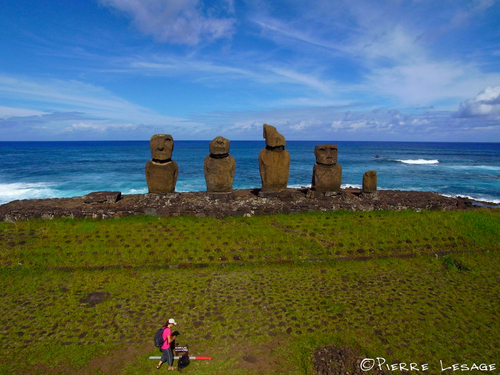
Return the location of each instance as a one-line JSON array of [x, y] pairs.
[[341, 123], [304, 79], [377, 49], [76, 96], [102, 127], [178, 21], [490, 95], [11, 112], [305, 124], [485, 104], [428, 82], [390, 42], [287, 33], [237, 68], [80, 111], [167, 66]]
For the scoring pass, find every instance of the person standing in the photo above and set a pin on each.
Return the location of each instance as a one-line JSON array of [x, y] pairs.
[[168, 355]]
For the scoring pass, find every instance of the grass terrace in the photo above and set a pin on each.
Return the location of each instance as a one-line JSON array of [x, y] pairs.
[[258, 294]]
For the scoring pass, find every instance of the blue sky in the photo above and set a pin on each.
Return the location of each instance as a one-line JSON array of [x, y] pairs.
[[394, 70]]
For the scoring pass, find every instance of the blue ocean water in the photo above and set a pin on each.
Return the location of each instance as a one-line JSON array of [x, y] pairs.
[[66, 169]]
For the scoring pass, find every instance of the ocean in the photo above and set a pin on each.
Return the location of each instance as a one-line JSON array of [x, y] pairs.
[[65, 169]]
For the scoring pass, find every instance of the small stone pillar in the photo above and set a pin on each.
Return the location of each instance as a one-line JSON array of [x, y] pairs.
[[370, 182], [274, 161], [161, 171], [327, 174], [219, 166]]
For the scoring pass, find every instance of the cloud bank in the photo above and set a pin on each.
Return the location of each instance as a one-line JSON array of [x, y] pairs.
[[485, 104]]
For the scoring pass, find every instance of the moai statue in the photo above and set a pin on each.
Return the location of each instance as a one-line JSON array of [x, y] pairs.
[[161, 171], [219, 166], [327, 174], [274, 161], [370, 182]]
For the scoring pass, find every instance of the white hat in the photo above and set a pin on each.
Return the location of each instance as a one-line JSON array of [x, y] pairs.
[[172, 321]]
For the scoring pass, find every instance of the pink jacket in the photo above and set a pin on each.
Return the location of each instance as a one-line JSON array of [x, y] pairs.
[[166, 334]]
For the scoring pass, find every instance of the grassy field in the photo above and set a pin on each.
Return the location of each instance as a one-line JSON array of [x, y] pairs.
[[257, 294]]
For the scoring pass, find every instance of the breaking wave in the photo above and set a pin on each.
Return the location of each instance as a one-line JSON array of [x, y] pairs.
[[351, 186], [478, 197], [25, 190], [418, 161]]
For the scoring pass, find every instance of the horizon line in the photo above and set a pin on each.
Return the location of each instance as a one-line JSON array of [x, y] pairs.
[[241, 140]]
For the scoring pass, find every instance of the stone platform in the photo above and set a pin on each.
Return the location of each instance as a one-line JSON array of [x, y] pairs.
[[247, 202]]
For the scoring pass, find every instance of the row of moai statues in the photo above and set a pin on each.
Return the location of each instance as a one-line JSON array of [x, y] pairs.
[[274, 166], [162, 171], [327, 173]]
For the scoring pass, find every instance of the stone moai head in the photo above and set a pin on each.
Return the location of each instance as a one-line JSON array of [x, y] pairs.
[[272, 137], [326, 154], [162, 146], [219, 146]]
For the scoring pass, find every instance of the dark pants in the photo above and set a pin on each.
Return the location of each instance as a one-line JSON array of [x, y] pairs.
[[167, 356]]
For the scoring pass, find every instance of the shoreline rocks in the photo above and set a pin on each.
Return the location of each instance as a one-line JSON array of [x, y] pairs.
[[245, 202]]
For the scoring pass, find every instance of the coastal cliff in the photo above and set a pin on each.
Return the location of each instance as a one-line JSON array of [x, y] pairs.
[[248, 202]]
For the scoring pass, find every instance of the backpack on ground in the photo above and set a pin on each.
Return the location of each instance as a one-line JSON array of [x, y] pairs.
[[183, 361], [159, 338]]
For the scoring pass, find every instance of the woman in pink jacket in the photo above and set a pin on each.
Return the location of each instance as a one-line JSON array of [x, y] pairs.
[[168, 355]]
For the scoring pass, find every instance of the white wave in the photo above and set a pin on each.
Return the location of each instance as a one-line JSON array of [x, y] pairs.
[[135, 191], [185, 187], [418, 161], [299, 186], [488, 167], [351, 186], [343, 186], [493, 168], [476, 198], [25, 190]]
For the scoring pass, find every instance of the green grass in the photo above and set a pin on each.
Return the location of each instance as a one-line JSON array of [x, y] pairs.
[[263, 298], [149, 241]]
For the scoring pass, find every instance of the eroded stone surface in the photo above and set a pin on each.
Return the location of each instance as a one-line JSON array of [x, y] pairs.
[[219, 146], [161, 177], [161, 171], [327, 174], [274, 161], [238, 203], [161, 146], [108, 197], [326, 154], [219, 166], [326, 177], [272, 137], [370, 181]]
